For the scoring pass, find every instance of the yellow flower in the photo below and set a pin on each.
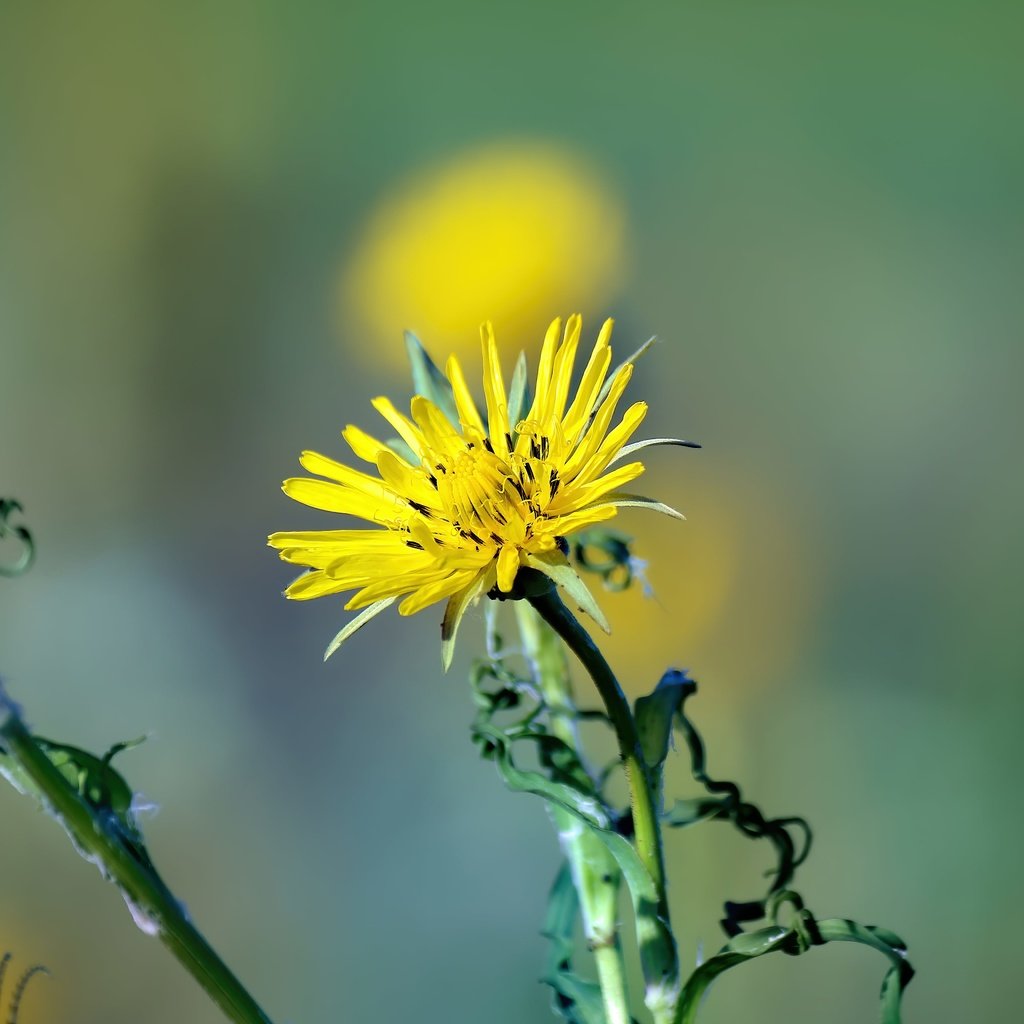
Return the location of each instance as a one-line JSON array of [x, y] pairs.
[[476, 499]]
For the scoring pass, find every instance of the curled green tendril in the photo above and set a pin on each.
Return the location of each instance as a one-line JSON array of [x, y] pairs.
[[28, 554], [725, 802], [606, 553], [18, 994]]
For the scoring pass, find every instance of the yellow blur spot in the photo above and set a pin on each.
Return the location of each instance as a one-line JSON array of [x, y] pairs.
[[735, 587], [507, 232]]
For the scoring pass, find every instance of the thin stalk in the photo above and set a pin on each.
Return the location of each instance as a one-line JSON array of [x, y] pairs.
[[148, 897], [595, 875], [646, 826]]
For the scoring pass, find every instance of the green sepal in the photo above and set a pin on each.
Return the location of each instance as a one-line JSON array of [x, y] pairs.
[[357, 622], [651, 442], [429, 381], [518, 396], [626, 499], [609, 380], [402, 450], [576, 999], [557, 568]]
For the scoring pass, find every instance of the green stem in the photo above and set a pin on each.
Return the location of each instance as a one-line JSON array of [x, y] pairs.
[[595, 874], [645, 817], [148, 897], [646, 825]]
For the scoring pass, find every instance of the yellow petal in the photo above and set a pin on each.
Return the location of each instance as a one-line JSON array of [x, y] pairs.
[[407, 430], [590, 385], [362, 444], [544, 367], [335, 498], [561, 372], [312, 584], [435, 591], [342, 474], [469, 415], [494, 393], [508, 566]]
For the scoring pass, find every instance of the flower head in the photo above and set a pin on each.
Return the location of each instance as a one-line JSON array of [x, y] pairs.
[[474, 498]]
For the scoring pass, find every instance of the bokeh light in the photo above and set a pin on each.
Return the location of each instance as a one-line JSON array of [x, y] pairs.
[[732, 591], [509, 232]]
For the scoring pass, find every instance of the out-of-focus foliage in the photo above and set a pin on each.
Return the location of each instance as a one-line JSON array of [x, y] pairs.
[[823, 212]]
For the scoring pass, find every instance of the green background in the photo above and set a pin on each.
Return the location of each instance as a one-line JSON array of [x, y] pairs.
[[825, 222]]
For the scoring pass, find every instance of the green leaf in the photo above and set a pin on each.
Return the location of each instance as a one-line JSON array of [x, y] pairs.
[[656, 712], [725, 803], [429, 381], [91, 778], [807, 932], [606, 553], [653, 935], [24, 536], [693, 812], [576, 999]]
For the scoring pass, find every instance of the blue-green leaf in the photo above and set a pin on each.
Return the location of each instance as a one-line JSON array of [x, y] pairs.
[[428, 380], [656, 712], [576, 999], [805, 933]]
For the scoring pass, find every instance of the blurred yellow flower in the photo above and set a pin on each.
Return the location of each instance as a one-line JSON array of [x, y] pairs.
[[475, 500], [505, 232], [747, 567]]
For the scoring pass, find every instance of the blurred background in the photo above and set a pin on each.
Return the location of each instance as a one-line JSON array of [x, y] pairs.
[[216, 220]]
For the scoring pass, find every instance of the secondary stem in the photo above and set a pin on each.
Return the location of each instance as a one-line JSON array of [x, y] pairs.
[[594, 872], [149, 897], [645, 816]]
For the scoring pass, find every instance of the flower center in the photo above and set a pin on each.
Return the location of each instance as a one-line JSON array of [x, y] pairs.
[[489, 500]]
